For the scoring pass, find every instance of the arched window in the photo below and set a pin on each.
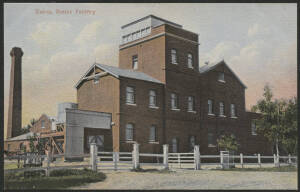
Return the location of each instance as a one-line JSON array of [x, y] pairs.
[[190, 61], [174, 145], [173, 56], [129, 132]]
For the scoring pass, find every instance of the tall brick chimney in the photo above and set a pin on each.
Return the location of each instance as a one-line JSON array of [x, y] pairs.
[[14, 123]]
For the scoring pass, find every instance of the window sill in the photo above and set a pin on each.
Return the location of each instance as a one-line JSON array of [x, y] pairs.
[[211, 114], [192, 111], [210, 145], [222, 81], [132, 104], [222, 116], [174, 63], [175, 109], [153, 107], [153, 142], [253, 134], [235, 117]]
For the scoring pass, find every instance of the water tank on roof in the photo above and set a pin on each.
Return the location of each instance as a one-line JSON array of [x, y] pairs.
[[61, 110]]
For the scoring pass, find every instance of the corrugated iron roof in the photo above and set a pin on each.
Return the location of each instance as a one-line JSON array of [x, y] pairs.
[[117, 72], [21, 137]]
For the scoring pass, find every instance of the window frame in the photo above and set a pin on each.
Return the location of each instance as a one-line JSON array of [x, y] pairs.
[[192, 101], [43, 124], [222, 109], [210, 106], [221, 74], [190, 60], [232, 106], [176, 101], [132, 132], [176, 144], [135, 62], [253, 131], [153, 127], [133, 95], [174, 58], [210, 140], [154, 105]]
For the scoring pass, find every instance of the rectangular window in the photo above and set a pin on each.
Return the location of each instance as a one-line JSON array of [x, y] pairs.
[[174, 145], [210, 106], [190, 61], [221, 109], [130, 95], [253, 127], [221, 77], [152, 98], [173, 56], [192, 142], [43, 124], [152, 136], [129, 132], [210, 140], [232, 109], [134, 62], [191, 103], [8, 147], [174, 101]]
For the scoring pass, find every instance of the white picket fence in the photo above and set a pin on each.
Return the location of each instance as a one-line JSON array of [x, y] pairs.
[[99, 160]]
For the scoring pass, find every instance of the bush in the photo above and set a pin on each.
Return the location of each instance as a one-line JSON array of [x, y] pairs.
[[58, 179]]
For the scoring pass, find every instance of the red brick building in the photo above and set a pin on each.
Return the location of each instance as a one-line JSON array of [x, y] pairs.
[[159, 95]]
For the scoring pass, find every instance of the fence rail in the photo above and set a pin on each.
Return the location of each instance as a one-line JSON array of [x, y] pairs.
[[131, 160]]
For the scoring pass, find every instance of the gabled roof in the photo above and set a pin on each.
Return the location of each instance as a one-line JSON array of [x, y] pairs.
[[117, 72], [212, 66], [21, 137]]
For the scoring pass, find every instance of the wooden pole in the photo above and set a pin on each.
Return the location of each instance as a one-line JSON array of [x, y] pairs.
[[241, 159], [93, 156], [197, 157], [259, 160]]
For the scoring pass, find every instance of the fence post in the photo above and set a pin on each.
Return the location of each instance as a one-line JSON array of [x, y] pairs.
[[278, 160], [241, 159], [275, 160], [221, 159], [178, 159], [93, 156], [166, 151], [115, 160], [290, 160], [197, 157], [259, 160], [135, 156], [48, 164]]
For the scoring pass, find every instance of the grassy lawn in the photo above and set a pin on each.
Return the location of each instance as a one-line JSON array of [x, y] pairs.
[[11, 165], [58, 179], [271, 169]]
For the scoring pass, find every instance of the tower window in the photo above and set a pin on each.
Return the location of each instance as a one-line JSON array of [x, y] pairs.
[[135, 62], [190, 61], [253, 127], [173, 56], [174, 145], [43, 124]]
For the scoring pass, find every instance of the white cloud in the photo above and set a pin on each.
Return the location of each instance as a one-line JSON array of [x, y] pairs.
[[257, 29], [50, 34], [107, 54], [223, 50], [88, 33]]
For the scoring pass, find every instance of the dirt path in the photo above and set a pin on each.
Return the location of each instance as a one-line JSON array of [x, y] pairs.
[[203, 179]]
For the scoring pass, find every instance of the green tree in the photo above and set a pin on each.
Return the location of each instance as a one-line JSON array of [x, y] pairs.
[[228, 143], [277, 115]]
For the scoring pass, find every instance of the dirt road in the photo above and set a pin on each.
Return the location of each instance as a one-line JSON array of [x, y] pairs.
[[191, 179]]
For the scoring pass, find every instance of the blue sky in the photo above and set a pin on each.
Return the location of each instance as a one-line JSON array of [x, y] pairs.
[[258, 41]]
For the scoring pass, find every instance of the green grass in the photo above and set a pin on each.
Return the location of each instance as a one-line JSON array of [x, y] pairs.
[[58, 179], [270, 169], [12, 165], [151, 170]]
